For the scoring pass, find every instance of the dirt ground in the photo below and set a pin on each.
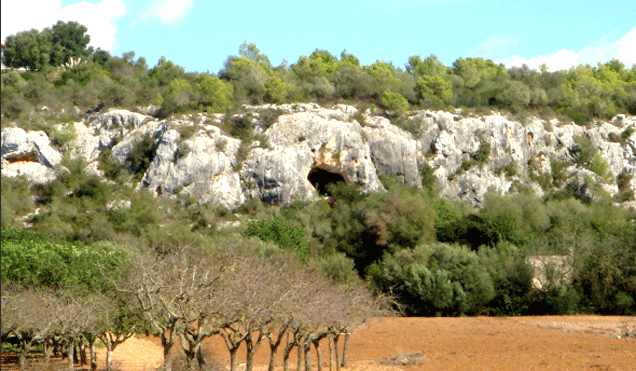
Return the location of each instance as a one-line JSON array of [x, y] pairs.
[[475, 343]]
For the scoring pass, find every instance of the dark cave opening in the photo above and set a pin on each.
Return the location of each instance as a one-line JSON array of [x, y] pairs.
[[321, 179]]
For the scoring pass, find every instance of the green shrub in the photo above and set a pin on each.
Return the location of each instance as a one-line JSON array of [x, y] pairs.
[[338, 267], [394, 102], [142, 154], [583, 150], [510, 169], [435, 279], [16, 200], [627, 133], [282, 233], [269, 116], [240, 126], [63, 135]]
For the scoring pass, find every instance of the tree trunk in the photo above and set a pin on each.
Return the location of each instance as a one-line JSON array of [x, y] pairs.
[[201, 358], [307, 350], [56, 349], [109, 358], [318, 354], [275, 344], [24, 349], [91, 344], [233, 357], [286, 353], [82, 352], [76, 353], [47, 352], [299, 361], [168, 352], [22, 357], [289, 346], [272, 358], [345, 350], [331, 358], [71, 355], [193, 356], [336, 354], [252, 346]]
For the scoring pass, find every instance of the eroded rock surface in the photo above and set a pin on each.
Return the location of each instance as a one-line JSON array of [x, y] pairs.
[[308, 147]]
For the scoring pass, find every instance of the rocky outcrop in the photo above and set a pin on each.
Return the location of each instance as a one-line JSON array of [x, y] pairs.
[[29, 155], [201, 167], [308, 147], [302, 143]]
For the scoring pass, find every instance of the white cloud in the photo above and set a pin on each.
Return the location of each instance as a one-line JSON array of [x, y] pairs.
[[168, 11], [98, 18], [627, 48], [624, 50], [495, 46]]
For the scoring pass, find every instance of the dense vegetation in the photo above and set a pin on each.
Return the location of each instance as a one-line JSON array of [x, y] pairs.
[[304, 269], [582, 93]]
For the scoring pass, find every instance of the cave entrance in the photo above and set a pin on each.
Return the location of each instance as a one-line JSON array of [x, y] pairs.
[[321, 179]]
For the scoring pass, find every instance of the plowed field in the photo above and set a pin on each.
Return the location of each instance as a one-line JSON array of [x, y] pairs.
[[477, 343]]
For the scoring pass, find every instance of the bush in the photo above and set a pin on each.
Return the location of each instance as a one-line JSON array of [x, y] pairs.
[[142, 154], [63, 135], [16, 201], [338, 267], [435, 279], [282, 233], [394, 102]]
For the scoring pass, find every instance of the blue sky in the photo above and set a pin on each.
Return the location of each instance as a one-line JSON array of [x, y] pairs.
[[200, 34]]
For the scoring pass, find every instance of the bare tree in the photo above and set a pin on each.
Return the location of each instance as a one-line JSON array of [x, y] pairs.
[[176, 293], [28, 317], [78, 314]]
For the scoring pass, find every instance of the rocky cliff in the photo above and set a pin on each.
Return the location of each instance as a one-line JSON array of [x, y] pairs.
[[309, 146]]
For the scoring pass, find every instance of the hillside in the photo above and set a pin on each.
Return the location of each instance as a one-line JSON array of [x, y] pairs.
[[281, 153]]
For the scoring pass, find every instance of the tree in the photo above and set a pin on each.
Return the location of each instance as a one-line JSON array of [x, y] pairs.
[[179, 94], [348, 59], [101, 57], [276, 89], [165, 71], [214, 94], [30, 49], [394, 102], [434, 89], [247, 76], [382, 77], [251, 52], [29, 316], [176, 294], [320, 63], [69, 41]]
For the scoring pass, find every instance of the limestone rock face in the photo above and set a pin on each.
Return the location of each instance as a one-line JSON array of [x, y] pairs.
[[304, 142], [85, 145], [114, 125], [394, 152], [308, 147], [200, 167], [28, 154], [15, 141]]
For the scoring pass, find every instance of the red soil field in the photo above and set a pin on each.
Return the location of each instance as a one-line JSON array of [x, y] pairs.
[[471, 343]]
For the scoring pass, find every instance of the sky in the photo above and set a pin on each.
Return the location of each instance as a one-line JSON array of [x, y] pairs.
[[199, 35]]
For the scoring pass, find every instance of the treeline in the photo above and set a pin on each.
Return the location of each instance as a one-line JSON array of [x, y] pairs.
[[65, 297], [582, 93]]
